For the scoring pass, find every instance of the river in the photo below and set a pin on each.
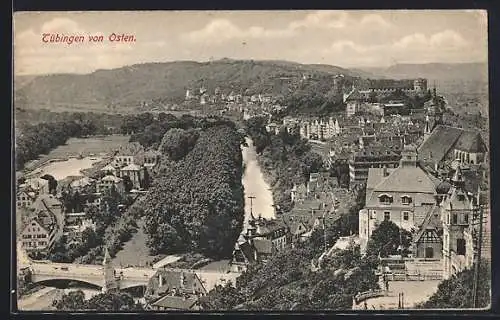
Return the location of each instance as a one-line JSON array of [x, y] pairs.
[[255, 186], [71, 167]]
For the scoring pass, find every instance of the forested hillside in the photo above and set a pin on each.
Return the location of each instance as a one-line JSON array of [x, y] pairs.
[[130, 86]]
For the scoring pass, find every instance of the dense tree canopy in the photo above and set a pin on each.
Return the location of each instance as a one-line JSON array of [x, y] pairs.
[[286, 282], [110, 301], [176, 143], [196, 203], [457, 292]]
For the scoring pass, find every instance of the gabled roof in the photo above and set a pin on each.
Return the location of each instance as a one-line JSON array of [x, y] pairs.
[[131, 167], [375, 176], [109, 167], [263, 246], [455, 202], [111, 178], [297, 228], [407, 179], [471, 141], [443, 138], [354, 95], [85, 181], [175, 302], [172, 279], [247, 251], [431, 222]]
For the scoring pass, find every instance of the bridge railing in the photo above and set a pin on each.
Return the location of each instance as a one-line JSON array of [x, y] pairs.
[[362, 296]]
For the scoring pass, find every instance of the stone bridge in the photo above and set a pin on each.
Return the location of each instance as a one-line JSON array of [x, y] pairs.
[[106, 276], [93, 274]]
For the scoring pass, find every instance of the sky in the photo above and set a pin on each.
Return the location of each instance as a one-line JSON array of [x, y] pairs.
[[342, 38]]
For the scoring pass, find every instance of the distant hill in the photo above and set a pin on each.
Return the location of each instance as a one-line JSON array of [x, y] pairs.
[[129, 86], [434, 71]]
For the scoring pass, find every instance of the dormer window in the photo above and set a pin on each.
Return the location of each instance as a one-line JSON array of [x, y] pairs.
[[406, 200], [385, 199]]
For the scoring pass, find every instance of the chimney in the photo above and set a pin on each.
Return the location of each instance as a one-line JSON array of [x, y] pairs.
[[160, 280], [384, 171]]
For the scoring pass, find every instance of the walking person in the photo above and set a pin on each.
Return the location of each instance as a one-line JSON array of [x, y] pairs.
[[366, 305], [387, 285]]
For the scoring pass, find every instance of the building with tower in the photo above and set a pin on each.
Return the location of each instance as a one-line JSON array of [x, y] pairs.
[[404, 195], [457, 214], [109, 273]]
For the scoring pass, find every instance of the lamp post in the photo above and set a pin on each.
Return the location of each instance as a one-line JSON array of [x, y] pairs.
[[251, 206]]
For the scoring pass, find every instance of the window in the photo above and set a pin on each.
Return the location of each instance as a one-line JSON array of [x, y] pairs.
[[466, 218], [406, 200], [454, 219], [406, 215], [385, 199], [461, 247], [387, 216]]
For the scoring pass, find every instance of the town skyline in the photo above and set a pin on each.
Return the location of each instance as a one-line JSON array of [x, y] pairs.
[[348, 39]]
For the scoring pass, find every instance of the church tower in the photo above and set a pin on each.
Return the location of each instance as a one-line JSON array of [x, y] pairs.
[[109, 273], [456, 215]]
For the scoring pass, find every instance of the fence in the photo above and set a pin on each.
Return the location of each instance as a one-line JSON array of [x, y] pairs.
[[415, 276], [362, 296]]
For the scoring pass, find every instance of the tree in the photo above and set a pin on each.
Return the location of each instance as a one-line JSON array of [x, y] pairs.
[[113, 301], [222, 297], [52, 183], [109, 301], [456, 292], [386, 239], [73, 301], [176, 143]]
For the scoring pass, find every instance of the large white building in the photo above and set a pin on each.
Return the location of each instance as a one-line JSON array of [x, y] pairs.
[[404, 195]]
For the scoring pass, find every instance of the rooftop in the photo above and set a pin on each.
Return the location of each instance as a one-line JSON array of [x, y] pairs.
[[175, 302]]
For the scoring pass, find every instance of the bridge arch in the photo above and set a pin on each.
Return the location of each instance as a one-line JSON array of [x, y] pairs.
[[62, 283]]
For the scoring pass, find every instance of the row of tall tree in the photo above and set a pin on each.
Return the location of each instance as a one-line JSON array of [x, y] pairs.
[[196, 203]]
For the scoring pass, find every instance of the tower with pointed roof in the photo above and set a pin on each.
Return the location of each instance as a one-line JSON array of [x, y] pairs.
[[108, 273], [456, 214]]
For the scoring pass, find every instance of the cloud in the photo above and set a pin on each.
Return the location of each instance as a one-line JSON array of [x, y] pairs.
[[61, 25], [415, 47], [447, 39], [345, 45], [375, 20], [322, 19], [220, 30]]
